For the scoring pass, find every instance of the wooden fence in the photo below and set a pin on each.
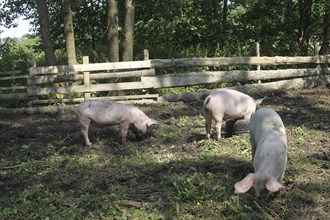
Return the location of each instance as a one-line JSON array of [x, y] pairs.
[[76, 83]]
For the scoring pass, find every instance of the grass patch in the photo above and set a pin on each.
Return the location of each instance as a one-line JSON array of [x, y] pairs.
[[47, 173]]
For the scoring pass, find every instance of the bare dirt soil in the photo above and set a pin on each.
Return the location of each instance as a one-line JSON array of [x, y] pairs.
[[46, 171]]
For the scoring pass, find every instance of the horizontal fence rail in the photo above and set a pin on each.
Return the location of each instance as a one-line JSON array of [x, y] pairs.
[[259, 88], [91, 67], [229, 61], [209, 77], [33, 91], [76, 77], [14, 72]]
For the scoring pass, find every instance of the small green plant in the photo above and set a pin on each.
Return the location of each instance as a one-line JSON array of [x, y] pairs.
[[195, 187], [300, 132], [9, 212], [233, 204]]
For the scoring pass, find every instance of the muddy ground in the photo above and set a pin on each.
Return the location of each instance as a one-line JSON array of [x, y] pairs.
[[30, 142]]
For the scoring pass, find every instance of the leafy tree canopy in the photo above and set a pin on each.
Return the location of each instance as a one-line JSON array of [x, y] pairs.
[[170, 28]]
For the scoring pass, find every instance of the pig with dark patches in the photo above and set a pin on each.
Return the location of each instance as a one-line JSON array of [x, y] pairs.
[[225, 104], [104, 112], [269, 154]]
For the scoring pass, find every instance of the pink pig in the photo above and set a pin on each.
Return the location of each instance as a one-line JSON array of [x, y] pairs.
[[269, 154], [104, 112], [225, 104]]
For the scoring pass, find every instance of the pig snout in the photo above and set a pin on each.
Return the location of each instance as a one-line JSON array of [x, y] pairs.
[[269, 154], [225, 104], [146, 125]]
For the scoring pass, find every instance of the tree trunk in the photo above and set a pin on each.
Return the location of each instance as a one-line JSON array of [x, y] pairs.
[[129, 30], [305, 12], [112, 31], [224, 16], [69, 34], [326, 31], [45, 33]]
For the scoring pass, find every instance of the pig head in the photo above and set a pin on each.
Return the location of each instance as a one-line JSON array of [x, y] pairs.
[[104, 112], [269, 154], [225, 104]]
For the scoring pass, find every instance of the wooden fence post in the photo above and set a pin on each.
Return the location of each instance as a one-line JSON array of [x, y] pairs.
[[316, 52], [146, 54], [258, 53], [145, 57], [87, 95], [28, 83], [33, 61], [316, 47]]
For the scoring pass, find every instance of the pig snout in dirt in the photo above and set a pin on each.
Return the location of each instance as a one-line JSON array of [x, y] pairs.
[[269, 154], [225, 104], [104, 112]]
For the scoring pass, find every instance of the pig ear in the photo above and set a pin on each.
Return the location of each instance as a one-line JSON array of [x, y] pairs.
[[151, 121], [244, 185], [273, 185], [259, 101]]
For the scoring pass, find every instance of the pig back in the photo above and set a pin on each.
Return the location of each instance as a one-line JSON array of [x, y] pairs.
[[91, 107], [265, 122], [229, 103], [103, 111]]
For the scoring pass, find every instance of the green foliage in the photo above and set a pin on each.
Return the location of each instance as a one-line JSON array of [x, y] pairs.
[[15, 58], [16, 55], [189, 28], [233, 205], [195, 186]]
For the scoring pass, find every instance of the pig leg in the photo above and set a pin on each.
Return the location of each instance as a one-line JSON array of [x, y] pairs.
[[218, 119], [124, 129], [84, 126], [208, 123], [218, 127]]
